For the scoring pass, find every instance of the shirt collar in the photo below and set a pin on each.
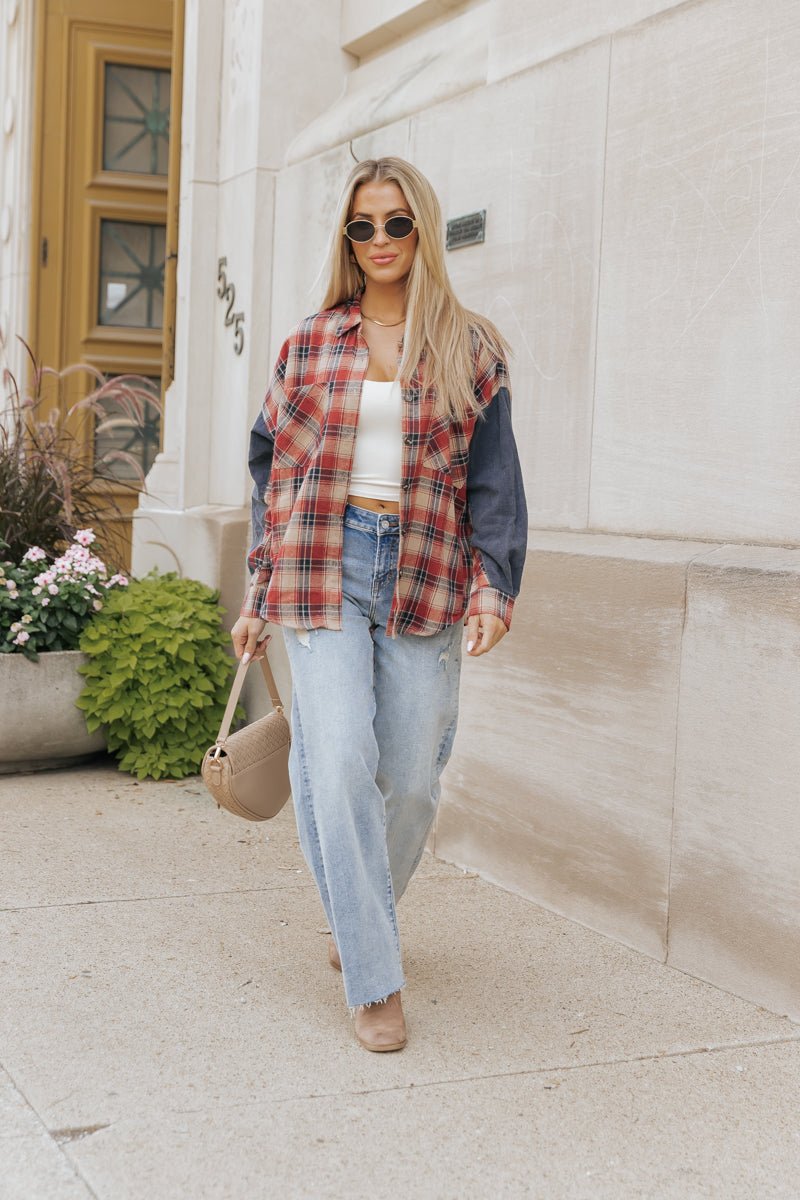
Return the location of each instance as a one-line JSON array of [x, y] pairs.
[[351, 316]]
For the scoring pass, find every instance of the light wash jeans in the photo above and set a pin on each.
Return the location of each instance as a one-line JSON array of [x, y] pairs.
[[373, 723]]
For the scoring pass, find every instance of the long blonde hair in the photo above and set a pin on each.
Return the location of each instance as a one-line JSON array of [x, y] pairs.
[[438, 326]]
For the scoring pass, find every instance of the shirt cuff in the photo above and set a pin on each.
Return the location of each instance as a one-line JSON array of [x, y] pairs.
[[488, 601], [256, 597]]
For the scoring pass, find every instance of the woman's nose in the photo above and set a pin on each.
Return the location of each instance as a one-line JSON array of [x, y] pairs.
[[380, 237]]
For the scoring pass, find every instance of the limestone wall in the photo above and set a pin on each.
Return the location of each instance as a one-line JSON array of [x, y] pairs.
[[628, 756]]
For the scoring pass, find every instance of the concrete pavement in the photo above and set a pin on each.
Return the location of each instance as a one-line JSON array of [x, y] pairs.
[[170, 1030]]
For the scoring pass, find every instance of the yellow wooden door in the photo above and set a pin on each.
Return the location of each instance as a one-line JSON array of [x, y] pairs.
[[100, 201]]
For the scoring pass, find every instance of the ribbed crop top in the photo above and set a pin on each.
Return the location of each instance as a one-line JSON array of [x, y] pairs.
[[378, 458]]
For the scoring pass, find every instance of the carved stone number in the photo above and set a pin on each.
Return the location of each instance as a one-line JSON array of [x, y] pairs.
[[227, 291]]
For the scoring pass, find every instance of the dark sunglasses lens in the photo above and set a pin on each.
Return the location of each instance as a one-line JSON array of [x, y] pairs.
[[399, 227], [360, 231]]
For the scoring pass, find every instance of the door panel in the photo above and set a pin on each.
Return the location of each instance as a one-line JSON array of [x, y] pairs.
[[105, 71]]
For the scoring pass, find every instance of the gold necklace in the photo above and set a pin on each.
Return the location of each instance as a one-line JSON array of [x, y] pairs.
[[383, 324]]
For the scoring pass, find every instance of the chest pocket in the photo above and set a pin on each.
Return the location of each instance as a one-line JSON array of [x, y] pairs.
[[299, 425], [447, 450]]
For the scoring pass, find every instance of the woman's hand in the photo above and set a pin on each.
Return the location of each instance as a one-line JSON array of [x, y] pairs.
[[245, 635], [483, 632]]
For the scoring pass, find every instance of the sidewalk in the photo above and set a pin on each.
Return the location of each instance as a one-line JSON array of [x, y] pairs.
[[170, 1028]]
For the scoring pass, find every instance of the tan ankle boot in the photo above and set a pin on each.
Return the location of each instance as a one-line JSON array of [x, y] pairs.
[[382, 1026], [333, 955]]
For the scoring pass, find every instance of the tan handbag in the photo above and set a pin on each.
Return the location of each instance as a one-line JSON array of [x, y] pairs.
[[247, 772]]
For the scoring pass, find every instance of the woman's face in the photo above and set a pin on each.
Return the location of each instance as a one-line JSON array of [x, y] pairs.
[[383, 260]]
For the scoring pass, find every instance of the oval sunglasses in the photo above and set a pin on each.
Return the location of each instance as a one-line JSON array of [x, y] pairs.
[[396, 228]]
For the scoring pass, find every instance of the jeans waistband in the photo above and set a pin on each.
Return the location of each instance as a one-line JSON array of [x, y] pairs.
[[371, 522]]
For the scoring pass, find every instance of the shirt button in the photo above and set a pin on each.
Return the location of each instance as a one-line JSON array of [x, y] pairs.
[[406, 484], [408, 439]]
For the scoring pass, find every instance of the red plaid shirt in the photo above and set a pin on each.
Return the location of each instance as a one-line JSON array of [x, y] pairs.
[[311, 414]]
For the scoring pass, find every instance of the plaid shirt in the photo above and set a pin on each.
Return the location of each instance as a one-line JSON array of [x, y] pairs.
[[454, 555]]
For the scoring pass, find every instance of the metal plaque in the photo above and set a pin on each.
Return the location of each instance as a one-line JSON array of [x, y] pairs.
[[466, 231]]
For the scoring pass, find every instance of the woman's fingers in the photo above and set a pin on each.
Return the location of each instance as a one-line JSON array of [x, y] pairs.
[[239, 638], [484, 632], [255, 627], [472, 634], [245, 634]]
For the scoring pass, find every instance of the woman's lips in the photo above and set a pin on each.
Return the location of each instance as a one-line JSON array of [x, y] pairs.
[[381, 260]]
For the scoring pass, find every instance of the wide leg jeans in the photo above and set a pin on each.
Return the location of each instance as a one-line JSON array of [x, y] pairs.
[[373, 723]]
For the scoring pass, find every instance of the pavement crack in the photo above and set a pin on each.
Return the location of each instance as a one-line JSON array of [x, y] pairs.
[[58, 1141], [550, 1069], [282, 887]]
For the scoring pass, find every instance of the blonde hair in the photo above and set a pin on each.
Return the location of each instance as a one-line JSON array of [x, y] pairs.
[[451, 337]]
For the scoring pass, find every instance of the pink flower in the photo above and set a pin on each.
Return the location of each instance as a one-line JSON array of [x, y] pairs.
[[52, 589], [45, 578], [21, 638], [120, 579], [97, 605], [35, 591], [11, 584], [45, 601], [35, 554], [84, 537]]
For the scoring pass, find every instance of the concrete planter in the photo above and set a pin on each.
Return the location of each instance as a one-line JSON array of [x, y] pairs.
[[40, 726]]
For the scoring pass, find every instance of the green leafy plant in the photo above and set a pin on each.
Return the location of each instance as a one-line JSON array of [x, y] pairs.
[[158, 675], [46, 605]]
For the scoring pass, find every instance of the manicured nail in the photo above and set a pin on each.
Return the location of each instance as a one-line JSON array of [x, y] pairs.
[[246, 656], [469, 646]]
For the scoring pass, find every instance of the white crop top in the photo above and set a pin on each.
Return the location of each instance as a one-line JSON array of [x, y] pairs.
[[378, 458]]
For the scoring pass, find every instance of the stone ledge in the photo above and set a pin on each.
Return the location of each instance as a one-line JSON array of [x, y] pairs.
[[405, 80], [208, 543], [367, 28], [699, 554]]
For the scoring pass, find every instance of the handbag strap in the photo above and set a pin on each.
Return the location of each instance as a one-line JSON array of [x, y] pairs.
[[236, 688]]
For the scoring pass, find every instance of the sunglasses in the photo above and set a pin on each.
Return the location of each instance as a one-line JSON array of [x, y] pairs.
[[364, 231]]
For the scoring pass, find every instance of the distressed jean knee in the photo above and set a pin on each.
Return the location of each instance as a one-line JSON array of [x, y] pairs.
[[304, 637]]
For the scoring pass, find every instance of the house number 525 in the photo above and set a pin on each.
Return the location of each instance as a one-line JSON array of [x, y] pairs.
[[227, 291]]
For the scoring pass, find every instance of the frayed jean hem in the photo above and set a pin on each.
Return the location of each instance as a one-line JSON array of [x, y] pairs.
[[355, 1008]]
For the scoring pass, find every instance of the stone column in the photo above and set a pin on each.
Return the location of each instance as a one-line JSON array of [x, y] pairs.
[[17, 74], [245, 97]]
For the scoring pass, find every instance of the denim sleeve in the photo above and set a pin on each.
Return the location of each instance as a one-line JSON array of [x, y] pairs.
[[496, 499], [260, 462]]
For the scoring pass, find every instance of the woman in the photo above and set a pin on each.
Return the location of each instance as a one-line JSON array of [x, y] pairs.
[[389, 485]]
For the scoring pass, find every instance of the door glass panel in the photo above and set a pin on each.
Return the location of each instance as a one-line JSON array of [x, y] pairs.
[[136, 119], [124, 430], [131, 274]]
